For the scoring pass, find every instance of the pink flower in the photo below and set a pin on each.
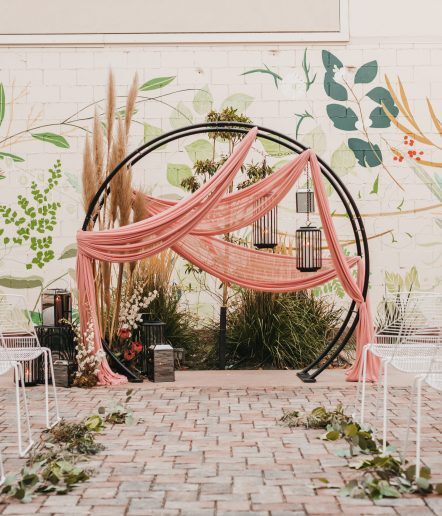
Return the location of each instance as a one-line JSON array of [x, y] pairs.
[[124, 334]]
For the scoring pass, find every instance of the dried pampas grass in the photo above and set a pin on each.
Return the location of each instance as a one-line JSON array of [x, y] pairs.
[[88, 175]]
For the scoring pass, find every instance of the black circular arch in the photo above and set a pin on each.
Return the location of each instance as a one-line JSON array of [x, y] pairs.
[[348, 326]]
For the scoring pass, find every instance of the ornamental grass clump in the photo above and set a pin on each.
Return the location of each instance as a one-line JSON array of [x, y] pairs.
[[279, 330]]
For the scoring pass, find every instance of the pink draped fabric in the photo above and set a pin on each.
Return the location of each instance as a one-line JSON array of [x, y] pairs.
[[189, 228]]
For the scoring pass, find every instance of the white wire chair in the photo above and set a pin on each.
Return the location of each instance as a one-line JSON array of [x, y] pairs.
[[411, 326], [433, 378], [20, 343], [6, 365]]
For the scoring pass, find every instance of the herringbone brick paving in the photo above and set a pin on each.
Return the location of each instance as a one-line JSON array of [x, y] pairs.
[[211, 450]]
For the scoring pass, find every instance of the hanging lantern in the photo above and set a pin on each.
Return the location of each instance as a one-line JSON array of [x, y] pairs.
[[305, 198], [151, 334], [56, 304], [265, 229], [308, 249]]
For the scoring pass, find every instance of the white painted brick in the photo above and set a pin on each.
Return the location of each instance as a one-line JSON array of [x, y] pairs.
[[252, 58], [110, 59], [211, 58], [180, 59], [230, 75], [74, 60], [43, 59], [193, 77], [141, 60], [86, 77], [416, 57], [24, 77], [436, 56], [43, 94], [60, 77], [76, 94]]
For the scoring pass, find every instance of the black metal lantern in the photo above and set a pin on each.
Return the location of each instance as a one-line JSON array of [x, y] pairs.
[[305, 198], [56, 304], [151, 334], [30, 372], [265, 229], [308, 249]]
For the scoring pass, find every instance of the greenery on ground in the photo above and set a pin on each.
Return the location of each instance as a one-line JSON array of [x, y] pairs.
[[279, 330], [383, 476], [54, 466]]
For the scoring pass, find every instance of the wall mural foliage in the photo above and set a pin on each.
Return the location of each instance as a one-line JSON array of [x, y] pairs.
[[381, 147]]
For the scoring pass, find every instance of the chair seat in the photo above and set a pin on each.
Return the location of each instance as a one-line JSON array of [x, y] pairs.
[[20, 354]]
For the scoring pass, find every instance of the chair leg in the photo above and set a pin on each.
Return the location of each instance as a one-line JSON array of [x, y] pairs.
[[378, 388], [20, 379], [54, 390], [49, 364], [385, 410], [410, 417], [364, 378], [2, 470], [418, 426]]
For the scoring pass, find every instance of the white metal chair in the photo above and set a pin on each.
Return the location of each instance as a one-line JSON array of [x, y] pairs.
[[433, 379], [20, 343], [5, 367], [411, 326]]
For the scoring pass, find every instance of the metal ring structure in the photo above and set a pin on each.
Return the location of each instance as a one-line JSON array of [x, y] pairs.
[[348, 326]]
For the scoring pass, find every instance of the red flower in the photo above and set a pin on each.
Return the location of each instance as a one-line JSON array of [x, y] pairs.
[[124, 334], [136, 346], [129, 355]]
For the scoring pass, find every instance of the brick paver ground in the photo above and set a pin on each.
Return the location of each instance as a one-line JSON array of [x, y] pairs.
[[219, 450]]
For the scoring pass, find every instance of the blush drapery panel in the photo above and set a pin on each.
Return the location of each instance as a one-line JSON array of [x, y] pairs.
[[189, 228]]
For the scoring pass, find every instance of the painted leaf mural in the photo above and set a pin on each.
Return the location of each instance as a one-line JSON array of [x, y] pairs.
[[2, 103], [238, 101], [15, 158], [177, 172], [21, 283], [333, 89], [342, 117], [366, 73], [199, 150], [367, 154], [181, 116], [343, 160], [379, 119], [203, 101], [55, 139], [156, 83]]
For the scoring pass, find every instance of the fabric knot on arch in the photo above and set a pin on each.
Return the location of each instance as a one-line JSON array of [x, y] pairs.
[[190, 228]]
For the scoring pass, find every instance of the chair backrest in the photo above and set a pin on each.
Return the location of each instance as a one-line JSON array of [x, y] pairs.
[[406, 313], [434, 376], [15, 319]]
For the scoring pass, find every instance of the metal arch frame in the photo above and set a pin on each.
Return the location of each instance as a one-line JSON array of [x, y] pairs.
[[348, 326]]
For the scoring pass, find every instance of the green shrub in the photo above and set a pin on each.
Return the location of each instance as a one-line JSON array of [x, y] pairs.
[[279, 330]]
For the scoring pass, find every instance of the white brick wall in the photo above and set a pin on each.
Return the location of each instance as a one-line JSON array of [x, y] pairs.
[[61, 81]]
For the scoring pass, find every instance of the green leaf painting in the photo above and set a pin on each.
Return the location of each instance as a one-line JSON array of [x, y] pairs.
[[273, 148], [69, 251], [330, 61], [379, 119], [316, 140], [332, 88], [375, 187], [343, 160], [21, 283], [342, 117], [181, 116], [276, 77], [238, 101], [366, 73], [368, 155], [199, 150], [150, 132], [55, 139], [157, 83], [2, 103], [177, 172], [14, 158], [203, 101]]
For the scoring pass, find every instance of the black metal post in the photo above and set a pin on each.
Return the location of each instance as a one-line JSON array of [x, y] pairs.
[[222, 337]]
